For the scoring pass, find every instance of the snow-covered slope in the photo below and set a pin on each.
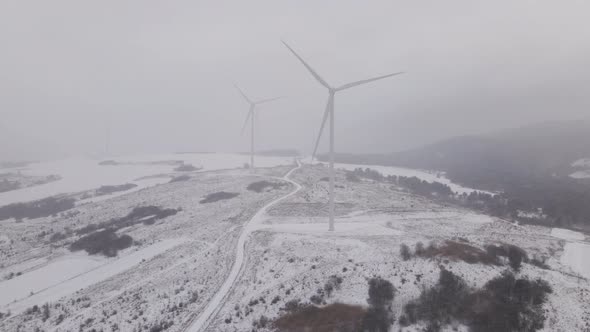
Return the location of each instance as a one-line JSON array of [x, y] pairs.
[[286, 254], [80, 174]]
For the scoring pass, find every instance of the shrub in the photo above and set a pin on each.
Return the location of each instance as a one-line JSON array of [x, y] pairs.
[[381, 292], [514, 254], [6, 185], [439, 303], [180, 178], [147, 215], [419, 249], [461, 251], [186, 168], [106, 190], [260, 186], [45, 312], [378, 317], [105, 242], [36, 209], [55, 237], [377, 320], [404, 251], [347, 318], [509, 304], [352, 177], [218, 196], [540, 263], [503, 304]]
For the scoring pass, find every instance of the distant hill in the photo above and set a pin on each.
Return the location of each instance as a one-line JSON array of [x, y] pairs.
[[485, 161], [529, 166]]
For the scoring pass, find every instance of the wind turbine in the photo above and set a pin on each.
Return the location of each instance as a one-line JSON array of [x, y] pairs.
[[330, 112], [250, 116]]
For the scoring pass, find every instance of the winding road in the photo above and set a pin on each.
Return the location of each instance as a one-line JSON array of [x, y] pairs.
[[215, 304]]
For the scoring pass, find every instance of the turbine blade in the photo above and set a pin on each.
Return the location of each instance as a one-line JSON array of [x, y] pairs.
[[267, 100], [326, 114], [243, 94], [357, 83], [313, 72], [246, 121]]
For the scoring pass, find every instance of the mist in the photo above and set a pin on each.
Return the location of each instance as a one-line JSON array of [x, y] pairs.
[[149, 76]]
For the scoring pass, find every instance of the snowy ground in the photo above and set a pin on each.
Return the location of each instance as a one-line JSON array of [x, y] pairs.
[[429, 176], [81, 174], [576, 256], [222, 266], [567, 234], [170, 274], [292, 254]]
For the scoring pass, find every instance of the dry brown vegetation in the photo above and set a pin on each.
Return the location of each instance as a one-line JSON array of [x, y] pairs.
[[333, 317], [218, 196], [492, 255], [460, 251]]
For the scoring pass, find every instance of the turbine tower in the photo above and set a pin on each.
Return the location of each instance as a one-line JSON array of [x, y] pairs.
[[329, 112], [250, 116]]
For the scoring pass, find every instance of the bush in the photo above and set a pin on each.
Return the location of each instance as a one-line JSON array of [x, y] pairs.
[[36, 209], [381, 292], [350, 177], [540, 263], [260, 186], [186, 168], [106, 190], [147, 215], [347, 318], [218, 196], [514, 254], [404, 251], [6, 185], [105, 242], [180, 178], [378, 317], [503, 304], [461, 251], [55, 237]]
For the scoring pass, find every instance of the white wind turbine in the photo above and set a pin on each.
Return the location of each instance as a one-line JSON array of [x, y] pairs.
[[330, 112], [250, 116]]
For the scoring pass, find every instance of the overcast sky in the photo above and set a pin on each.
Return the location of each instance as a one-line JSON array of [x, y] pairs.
[[156, 76]]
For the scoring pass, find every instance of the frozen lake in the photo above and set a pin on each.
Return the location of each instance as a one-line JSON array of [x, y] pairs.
[[575, 255]]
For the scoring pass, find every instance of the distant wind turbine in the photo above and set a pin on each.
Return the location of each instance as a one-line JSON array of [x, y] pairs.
[[250, 116], [330, 112]]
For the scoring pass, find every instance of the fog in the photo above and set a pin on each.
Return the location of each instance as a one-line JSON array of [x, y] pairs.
[[80, 77]]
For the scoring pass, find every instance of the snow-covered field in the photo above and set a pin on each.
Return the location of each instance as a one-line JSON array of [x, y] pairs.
[[293, 254], [186, 256], [81, 174], [408, 172], [567, 234], [577, 256], [576, 253], [221, 266], [71, 273]]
